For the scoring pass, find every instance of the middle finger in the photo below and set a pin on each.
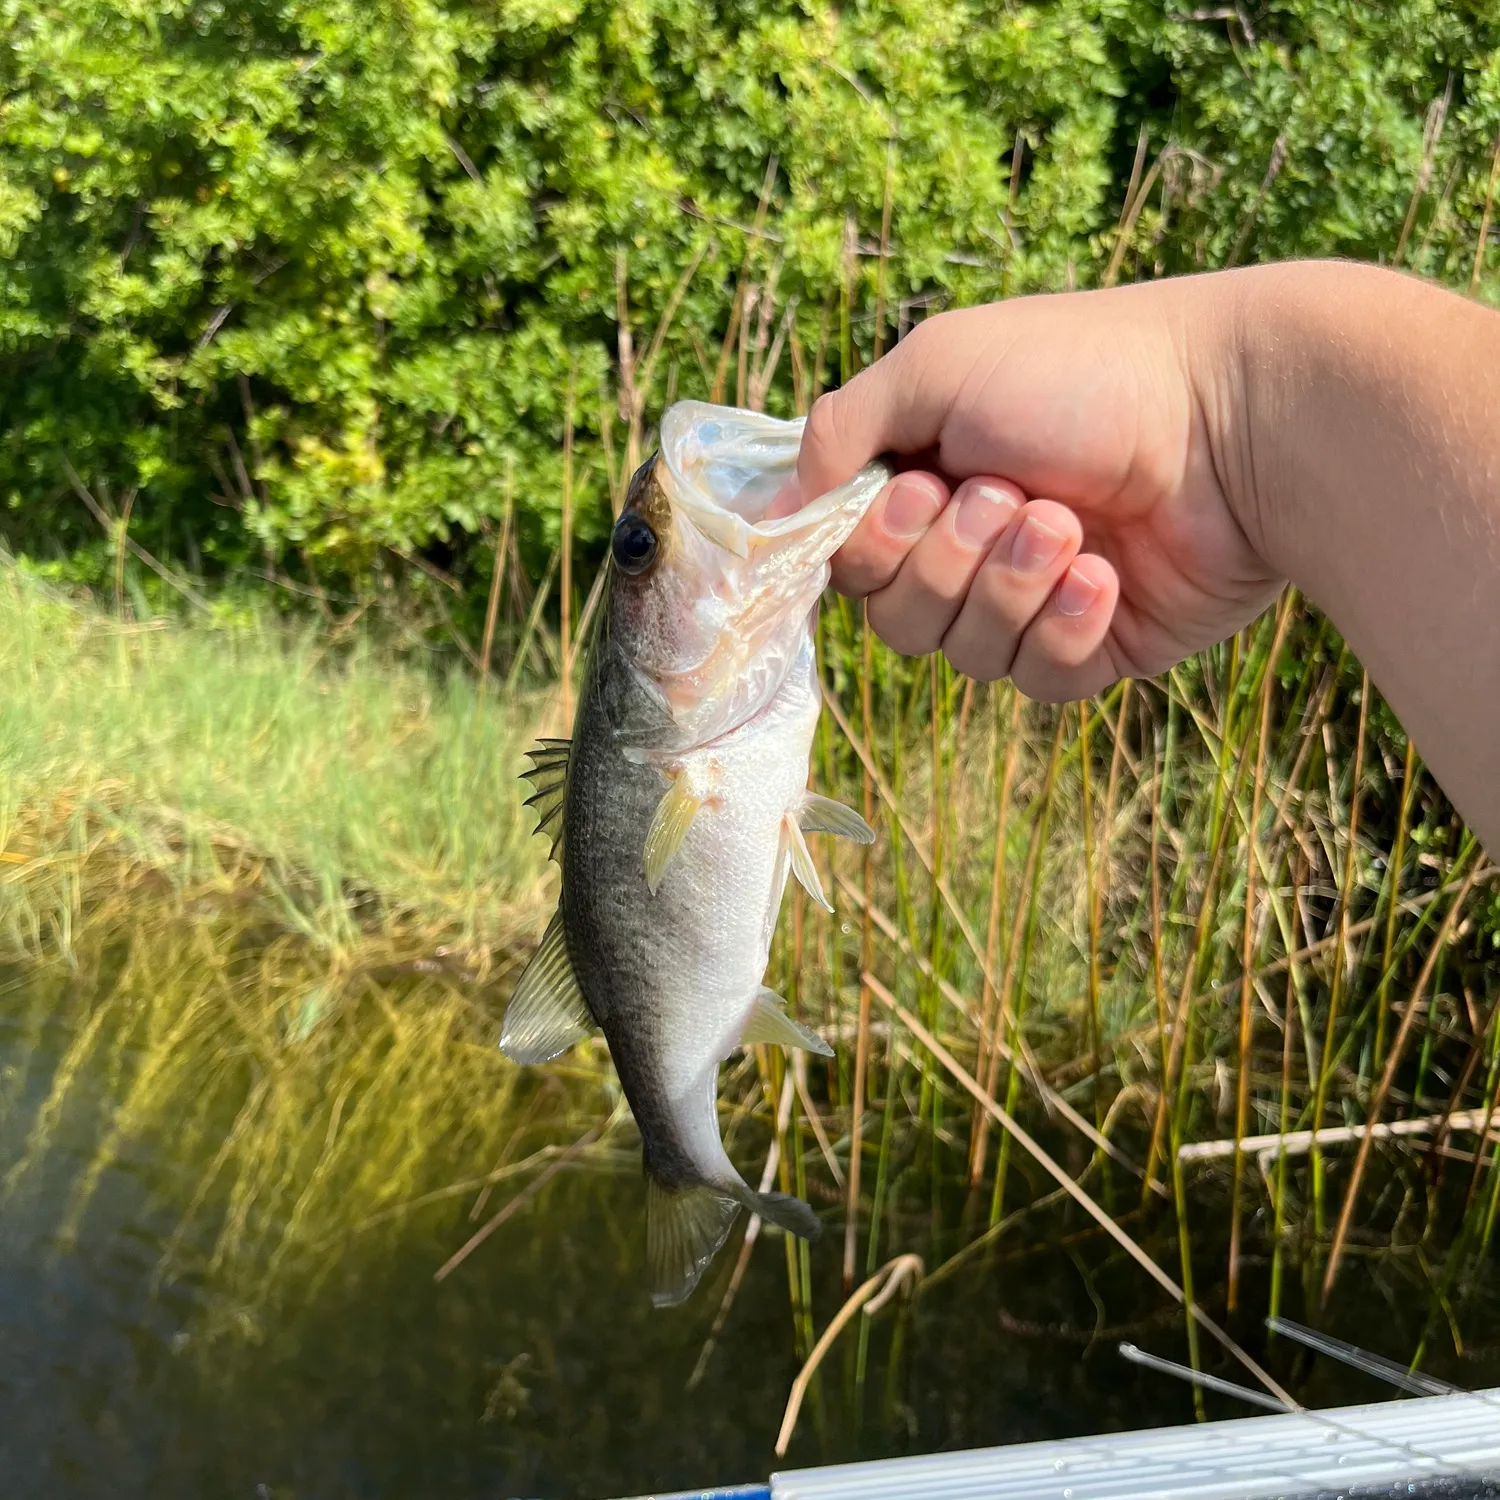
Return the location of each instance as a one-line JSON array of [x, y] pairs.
[[913, 611], [1010, 588]]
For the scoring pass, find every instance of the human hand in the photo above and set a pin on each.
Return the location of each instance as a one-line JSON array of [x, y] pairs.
[[1068, 521]]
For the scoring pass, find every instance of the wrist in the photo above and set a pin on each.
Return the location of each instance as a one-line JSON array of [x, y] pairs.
[[1249, 368], [1302, 359]]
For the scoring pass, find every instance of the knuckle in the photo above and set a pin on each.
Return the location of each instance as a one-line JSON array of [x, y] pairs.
[[825, 423], [967, 658], [895, 627]]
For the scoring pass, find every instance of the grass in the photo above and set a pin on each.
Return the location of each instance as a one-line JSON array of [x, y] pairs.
[[268, 888], [328, 771]]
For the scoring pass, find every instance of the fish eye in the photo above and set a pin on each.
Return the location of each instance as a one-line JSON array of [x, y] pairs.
[[633, 545]]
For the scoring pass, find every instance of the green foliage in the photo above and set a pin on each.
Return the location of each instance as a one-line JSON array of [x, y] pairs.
[[308, 278]]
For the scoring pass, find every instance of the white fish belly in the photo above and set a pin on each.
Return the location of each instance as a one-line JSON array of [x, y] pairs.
[[727, 881]]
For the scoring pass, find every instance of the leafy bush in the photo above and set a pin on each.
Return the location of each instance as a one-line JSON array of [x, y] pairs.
[[308, 278]]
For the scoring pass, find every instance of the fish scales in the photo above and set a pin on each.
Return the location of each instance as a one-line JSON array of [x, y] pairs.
[[679, 807], [671, 978]]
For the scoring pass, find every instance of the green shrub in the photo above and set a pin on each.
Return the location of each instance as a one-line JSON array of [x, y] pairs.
[[305, 279]]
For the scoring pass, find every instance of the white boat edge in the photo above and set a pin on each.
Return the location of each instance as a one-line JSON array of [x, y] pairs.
[[1414, 1443]]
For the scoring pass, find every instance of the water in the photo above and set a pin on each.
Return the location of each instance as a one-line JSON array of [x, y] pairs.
[[539, 1368]]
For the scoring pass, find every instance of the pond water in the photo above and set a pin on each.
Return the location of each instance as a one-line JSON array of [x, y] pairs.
[[539, 1369]]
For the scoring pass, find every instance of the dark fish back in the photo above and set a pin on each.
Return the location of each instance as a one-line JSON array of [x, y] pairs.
[[618, 935]]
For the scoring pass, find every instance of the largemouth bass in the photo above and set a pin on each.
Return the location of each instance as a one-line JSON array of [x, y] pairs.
[[681, 803]]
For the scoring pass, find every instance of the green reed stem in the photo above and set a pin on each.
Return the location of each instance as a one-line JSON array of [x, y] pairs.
[[1091, 895], [1409, 779], [1340, 955], [1023, 963], [1279, 1219]]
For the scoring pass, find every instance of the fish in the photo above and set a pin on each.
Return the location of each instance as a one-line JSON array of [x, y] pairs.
[[680, 805]]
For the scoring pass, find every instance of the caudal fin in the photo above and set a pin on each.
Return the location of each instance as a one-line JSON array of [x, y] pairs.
[[685, 1228]]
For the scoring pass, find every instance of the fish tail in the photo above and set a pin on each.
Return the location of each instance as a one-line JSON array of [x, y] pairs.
[[685, 1228]]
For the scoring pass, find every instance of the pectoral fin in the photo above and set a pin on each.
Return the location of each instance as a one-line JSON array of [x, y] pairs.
[[824, 815], [802, 861], [674, 816], [770, 1024], [549, 780], [547, 1013]]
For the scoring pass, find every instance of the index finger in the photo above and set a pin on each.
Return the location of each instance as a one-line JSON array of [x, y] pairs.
[[897, 405]]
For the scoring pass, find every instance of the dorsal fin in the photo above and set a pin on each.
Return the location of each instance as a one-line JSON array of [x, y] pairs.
[[547, 1013], [549, 779]]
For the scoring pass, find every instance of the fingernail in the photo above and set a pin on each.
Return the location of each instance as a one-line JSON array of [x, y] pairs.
[[1076, 593], [910, 510], [983, 513], [1036, 546]]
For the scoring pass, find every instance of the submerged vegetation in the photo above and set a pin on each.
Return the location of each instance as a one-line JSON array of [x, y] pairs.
[[308, 436]]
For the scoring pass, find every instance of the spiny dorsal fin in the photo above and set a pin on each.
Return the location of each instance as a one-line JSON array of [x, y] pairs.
[[669, 825], [547, 1013], [824, 815], [549, 779], [769, 1023], [684, 1229], [802, 861]]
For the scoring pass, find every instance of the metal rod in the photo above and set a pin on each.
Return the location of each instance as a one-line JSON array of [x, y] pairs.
[[1197, 1377], [1372, 1364]]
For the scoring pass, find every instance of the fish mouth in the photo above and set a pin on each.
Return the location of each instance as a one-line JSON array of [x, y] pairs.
[[733, 474], [746, 562]]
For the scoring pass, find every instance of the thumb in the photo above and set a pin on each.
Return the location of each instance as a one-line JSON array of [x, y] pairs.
[[898, 405]]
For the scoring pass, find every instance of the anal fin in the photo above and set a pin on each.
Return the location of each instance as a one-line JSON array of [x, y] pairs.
[[547, 1013], [770, 1024]]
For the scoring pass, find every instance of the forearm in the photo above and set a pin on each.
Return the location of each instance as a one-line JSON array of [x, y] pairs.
[[1365, 465]]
